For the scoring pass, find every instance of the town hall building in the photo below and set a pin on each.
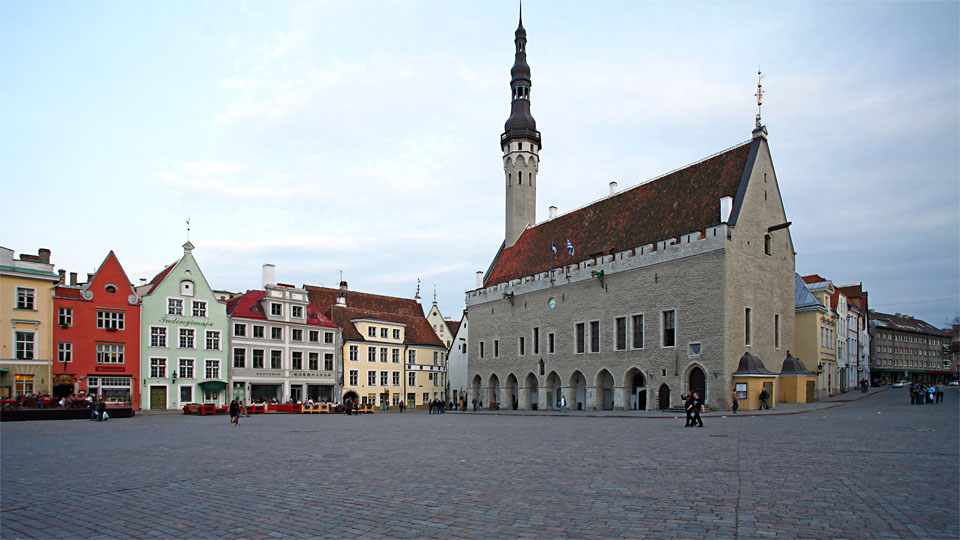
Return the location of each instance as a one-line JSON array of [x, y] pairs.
[[626, 303]]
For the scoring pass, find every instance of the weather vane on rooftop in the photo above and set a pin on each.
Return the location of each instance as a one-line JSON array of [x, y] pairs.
[[759, 94], [188, 229]]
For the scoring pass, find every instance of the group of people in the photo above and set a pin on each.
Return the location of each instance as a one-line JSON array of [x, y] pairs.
[[922, 393], [693, 405]]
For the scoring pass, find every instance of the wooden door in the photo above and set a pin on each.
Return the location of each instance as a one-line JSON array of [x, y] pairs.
[[664, 397], [698, 383], [811, 391], [158, 397]]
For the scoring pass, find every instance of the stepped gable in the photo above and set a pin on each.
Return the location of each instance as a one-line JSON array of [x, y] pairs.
[[678, 203], [321, 298], [417, 332], [247, 306]]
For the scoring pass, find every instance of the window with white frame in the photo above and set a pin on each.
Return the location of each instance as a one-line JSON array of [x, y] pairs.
[[186, 394], [186, 338], [594, 336], [258, 331], [581, 337], [371, 331], [26, 298], [257, 359], [174, 306], [296, 312], [354, 376], [669, 328], [199, 308], [212, 369], [384, 354], [239, 358], [436, 358], [276, 333], [396, 378], [328, 337], [65, 316], [412, 378], [213, 340], [314, 361], [383, 332], [186, 368], [328, 361], [64, 351], [276, 309], [412, 356], [108, 353], [276, 359], [396, 333], [158, 368], [158, 336], [395, 355], [354, 353], [186, 289], [384, 378], [239, 330], [110, 320], [620, 331], [371, 354], [296, 359], [314, 336], [371, 378], [296, 334]]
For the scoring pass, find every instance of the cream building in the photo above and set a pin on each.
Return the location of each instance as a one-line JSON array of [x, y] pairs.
[[26, 322]]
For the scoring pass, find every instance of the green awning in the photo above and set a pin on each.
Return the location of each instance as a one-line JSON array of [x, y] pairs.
[[213, 384]]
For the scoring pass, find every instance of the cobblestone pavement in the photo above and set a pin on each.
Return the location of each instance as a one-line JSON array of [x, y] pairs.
[[873, 468]]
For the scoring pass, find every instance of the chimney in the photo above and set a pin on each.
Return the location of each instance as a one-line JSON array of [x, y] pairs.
[[269, 275], [63, 276], [89, 277], [553, 212], [726, 207], [73, 278], [613, 187], [480, 272], [44, 255], [343, 286]]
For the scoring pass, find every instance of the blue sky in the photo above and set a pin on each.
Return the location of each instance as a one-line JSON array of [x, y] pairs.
[[364, 136]]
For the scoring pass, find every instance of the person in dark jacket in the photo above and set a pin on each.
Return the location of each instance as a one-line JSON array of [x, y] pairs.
[[764, 396], [696, 405], [234, 412], [688, 407], [101, 408]]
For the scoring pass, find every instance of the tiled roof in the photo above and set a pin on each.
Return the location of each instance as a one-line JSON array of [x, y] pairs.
[[158, 279], [72, 293], [678, 203], [247, 306], [454, 327], [324, 297], [903, 323], [417, 332], [814, 278]]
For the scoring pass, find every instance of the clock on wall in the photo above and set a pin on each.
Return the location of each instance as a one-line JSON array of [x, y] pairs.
[[552, 303]]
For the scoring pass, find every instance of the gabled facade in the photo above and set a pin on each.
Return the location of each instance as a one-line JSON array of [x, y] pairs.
[[183, 333], [390, 352], [458, 359], [440, 325], [97, 336], [26, 322], [282, 349], [821, 356], [629, 301]]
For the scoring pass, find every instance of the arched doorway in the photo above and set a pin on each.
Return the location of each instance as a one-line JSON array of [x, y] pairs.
[[604, 386], [475, 390], [663, 397], [579, 385], [697, 382], [513, 391], [493, 391], [351, 395], [553, 391], [636, 390], [532, 398]]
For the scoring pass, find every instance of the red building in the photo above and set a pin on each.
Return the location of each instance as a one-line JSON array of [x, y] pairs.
[[97, 336]]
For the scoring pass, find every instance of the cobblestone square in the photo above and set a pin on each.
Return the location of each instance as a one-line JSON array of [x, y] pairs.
[[873, 468]]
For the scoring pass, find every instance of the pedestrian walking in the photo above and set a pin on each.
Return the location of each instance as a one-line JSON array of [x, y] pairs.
[[101, 409], [400, 405], [474, 404], [938, 395], [696, 405], [563, 405], [93, 410], [736, 402], [764, 396], [687, 398], [234, 413]]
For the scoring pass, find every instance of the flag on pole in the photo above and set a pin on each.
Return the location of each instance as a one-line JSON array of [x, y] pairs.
[[553, 248], [569, 247]]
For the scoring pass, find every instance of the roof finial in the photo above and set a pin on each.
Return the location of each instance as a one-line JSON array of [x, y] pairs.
[[417, 296], [521, 12], [434, 293], [759, 94], [188, 228]]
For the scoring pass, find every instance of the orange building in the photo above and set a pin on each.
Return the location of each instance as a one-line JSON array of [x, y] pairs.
[[97, 336]]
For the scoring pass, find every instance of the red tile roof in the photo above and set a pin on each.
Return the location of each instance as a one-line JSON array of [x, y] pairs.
[[417, 332], [324, 297], [247, 306], [814, 278], [158, 279], [454, 326], [678, 203], [73, 293]]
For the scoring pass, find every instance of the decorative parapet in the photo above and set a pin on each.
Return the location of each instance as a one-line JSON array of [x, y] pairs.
[[687, 245]]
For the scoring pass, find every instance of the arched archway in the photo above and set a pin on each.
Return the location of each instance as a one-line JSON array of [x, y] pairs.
[[512, 399], [663, 397], [531, 393], [635, 385], [578, 384], [475, 389], [350, 394], [493, 391], [604, 388], [553, 391], [697, 382]]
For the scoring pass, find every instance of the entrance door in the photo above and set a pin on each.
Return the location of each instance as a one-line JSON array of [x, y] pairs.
[[296, 393], [664, 398], [641, 400], [811, 391], [158, 397], [698, 383]]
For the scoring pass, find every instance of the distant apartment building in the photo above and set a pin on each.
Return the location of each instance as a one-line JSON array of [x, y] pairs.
[[906, 348]]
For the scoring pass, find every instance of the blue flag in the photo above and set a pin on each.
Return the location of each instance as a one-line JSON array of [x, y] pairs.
[[553, 248], [569, 247]]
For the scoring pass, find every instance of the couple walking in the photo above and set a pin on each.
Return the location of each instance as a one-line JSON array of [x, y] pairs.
[[693, 405]]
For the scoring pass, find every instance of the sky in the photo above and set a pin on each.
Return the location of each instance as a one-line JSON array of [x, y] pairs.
[[363, 136]]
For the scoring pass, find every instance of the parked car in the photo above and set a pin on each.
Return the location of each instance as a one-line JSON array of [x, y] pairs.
[[898, 384], [953, 383]]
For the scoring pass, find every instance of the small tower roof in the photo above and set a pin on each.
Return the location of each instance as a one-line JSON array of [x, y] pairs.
[[792, 366], [751, 365]]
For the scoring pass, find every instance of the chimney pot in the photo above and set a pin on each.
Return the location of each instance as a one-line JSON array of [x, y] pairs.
[[613, 187], [480, 277], [89, 277], [44, 255], [63, 275], [73, 278], [553, 212], [726, 207], [269, 275]]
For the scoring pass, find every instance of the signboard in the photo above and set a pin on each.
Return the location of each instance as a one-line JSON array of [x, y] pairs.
[[741, 390]]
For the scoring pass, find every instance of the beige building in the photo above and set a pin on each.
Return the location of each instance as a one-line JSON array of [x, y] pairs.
[[391, 354], [26, 322], [818, 347]]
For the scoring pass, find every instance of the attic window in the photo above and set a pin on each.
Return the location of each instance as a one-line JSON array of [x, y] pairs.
[[111, 288]]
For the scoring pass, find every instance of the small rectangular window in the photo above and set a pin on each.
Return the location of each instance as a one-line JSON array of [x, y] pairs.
[[239, 358], [551, 345], [746, 327], [396, 333], [276, 357], [371, 354], [297, 312], [536, 341], [496, 348], [621, 329], [521, 346], [276, 309], [581, 336], [669, 328], [776, 331], [637, 331], [239, 330], [258, 359], [594, 336], [354, 352], [371, 331]]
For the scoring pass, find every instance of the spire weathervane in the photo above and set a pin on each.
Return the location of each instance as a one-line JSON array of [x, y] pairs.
[[188, 229], [759, 94]]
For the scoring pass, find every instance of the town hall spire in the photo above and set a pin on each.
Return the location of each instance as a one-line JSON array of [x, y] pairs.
[[520, 143]]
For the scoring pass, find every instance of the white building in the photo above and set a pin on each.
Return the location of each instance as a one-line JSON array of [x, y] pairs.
[[457, 363]]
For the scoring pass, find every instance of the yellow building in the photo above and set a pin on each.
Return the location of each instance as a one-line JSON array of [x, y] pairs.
[[750, 379], [26, 322], [390, 352], [815, 334], [797, 383]]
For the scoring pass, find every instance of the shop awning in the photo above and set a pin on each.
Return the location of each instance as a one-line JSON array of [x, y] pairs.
[[213, 383]]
